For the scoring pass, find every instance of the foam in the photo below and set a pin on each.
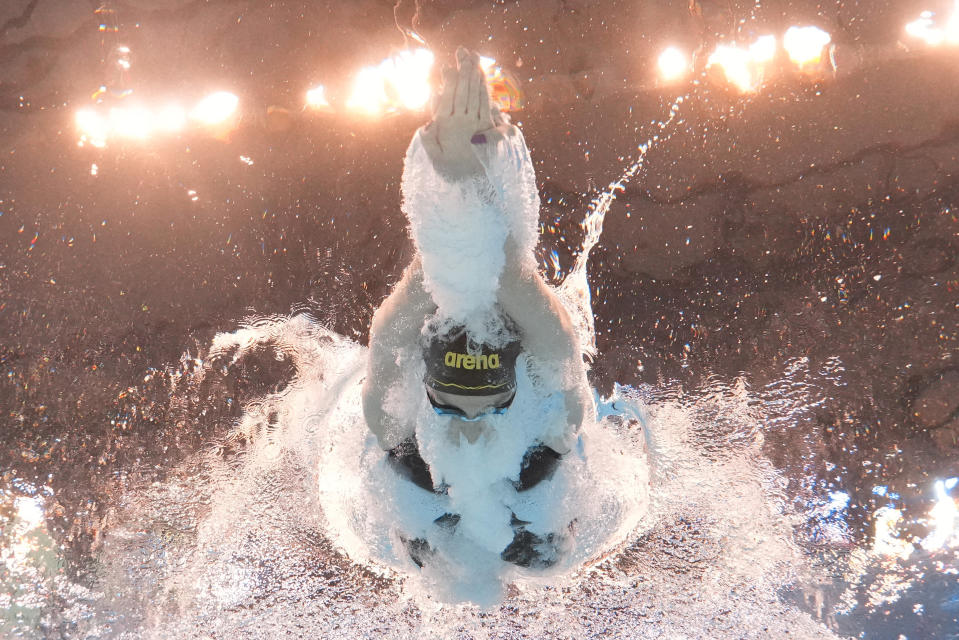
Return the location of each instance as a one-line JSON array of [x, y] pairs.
[[670, 536], [460, 229], [369, 509], [306, 528]]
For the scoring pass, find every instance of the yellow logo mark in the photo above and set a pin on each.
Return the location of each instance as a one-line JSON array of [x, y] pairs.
[[464, 361]]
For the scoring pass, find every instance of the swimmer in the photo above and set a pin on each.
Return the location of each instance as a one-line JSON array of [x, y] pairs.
[[473, 297]]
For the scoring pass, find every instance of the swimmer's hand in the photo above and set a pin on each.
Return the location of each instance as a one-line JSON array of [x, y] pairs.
[[462, 118]]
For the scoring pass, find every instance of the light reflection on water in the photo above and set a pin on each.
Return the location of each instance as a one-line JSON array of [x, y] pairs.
[[31, 567]]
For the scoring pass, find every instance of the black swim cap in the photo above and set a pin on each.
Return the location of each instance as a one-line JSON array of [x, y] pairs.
[[456, 364]]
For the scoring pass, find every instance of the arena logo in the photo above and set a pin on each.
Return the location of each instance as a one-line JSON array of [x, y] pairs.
[[464, 361]]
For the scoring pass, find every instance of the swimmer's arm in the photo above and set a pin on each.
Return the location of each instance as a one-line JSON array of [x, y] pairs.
[[549, 336], [396, 325]]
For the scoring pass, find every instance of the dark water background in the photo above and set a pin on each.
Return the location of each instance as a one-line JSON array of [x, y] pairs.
[[801, 240]]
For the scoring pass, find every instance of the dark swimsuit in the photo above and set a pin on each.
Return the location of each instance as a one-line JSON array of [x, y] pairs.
[[527, 549], [539, 463]]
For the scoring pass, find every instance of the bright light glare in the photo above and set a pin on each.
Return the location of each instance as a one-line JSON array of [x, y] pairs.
[[29, 511], [925, 29], [409, 74], [316, 98], [737, 65], [216, 108], [673, 64], [135, 122], [886, 542], [944, 518], [171, 118], [369, 92], [29, 518], [744, 68], [93, 127], [131, 122], [400, 81], [805, 44], [763, 50]]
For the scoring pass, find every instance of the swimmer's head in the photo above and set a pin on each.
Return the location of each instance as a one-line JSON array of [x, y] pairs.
[[469, 380]]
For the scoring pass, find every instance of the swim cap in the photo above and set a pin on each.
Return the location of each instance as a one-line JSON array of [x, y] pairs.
[[455, 364]]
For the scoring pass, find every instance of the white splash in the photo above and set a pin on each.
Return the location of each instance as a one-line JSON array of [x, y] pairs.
[[460, 229], [370, 509]]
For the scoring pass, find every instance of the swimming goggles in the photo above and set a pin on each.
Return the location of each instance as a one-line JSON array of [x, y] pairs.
[[456, 412]]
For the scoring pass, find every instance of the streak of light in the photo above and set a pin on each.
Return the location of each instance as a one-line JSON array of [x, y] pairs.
[[805, 45], [103, 93], [673, 64], [218, 114]]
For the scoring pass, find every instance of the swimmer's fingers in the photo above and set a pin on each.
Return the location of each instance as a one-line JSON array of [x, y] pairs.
[[444, 106], [476, 82], [461, 99], [483, 113]]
